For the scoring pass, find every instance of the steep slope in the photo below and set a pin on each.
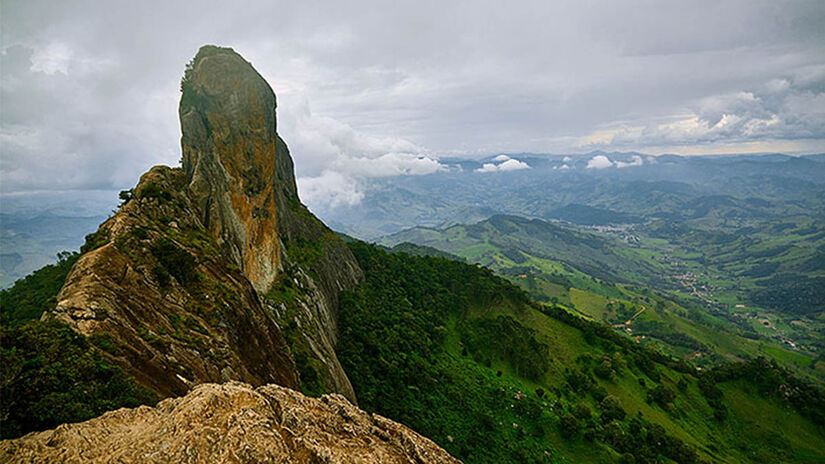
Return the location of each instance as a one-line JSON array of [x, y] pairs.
[[176, 279], [237, 177], [231, 423], [465, 358], [611, 277]]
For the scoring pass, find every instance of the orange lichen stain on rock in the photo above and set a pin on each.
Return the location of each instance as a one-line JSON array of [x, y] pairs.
[[252, 199]]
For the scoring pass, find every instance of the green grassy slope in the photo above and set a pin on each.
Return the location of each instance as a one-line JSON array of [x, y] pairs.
[[467, 359], [612, 276]]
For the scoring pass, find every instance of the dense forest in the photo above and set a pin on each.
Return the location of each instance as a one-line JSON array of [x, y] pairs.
[[51, 374]]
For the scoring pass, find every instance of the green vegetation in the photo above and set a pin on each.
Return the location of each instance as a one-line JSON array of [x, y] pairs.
[[125, 196], [418, 250], [289, 295], [794, 293], [738, 256], [37, 292], [391, 345], [309, 247], [618, 277], [153, 191], [173, 261], [51, 375], [417, 340], [306, 252], [770, 379], [504, 336], [94, 241]]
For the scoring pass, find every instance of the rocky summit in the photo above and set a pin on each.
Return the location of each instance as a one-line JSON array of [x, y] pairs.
[[231, 423], [185, 284], [238, 171]]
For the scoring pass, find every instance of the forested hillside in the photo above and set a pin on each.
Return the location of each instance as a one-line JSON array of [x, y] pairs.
[[466, 358], [695, 294]]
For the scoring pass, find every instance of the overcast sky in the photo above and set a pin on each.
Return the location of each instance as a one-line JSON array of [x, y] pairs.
[[89, 90]]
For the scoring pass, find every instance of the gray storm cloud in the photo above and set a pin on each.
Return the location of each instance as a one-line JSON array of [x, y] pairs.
[[89, 90], [789, 108]]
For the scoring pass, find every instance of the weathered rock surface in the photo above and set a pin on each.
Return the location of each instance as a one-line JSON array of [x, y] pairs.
[[231, 423], [229, 144], [241, 177], [174, 286], [161, 299]]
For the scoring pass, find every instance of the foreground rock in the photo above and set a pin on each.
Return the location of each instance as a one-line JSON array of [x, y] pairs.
[[231, 423]]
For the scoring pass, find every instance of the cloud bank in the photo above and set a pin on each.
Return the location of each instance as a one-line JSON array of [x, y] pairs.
[[791, 107], [636, 160], [89, 90], [336, 159]]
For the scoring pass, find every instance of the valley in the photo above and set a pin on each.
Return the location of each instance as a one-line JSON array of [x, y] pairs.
[[595, 272]]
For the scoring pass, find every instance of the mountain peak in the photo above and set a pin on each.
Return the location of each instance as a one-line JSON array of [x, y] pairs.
[[220, 82], [232, 159], [183, 281]]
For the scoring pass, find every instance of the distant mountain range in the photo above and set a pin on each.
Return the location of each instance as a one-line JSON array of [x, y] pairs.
[[30, 242], [733, 187]]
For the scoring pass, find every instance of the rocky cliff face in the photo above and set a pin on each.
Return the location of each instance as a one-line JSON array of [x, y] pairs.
[[231, 423], [230, 157], [186, 283]]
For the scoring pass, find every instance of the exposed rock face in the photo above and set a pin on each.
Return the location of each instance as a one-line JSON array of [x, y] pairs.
[[231, 423], [160, 298], [175, 290], [229, 144]]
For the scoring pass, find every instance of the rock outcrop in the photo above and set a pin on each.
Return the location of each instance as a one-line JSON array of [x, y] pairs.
[[229, 145], [231, 423], [185, 283]]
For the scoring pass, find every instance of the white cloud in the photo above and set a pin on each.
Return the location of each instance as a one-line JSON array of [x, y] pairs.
[[635, 161], [51, 59], [509, 165], [89, 89], [333, 159], [567, 159], [787, 108], [563, 167], [599, 162], [388, 164], [500, 158], [330, 189], [487, 167], [513, 165]]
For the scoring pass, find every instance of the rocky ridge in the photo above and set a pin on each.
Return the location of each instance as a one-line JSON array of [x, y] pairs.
[[231, 423], [185, 284]]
